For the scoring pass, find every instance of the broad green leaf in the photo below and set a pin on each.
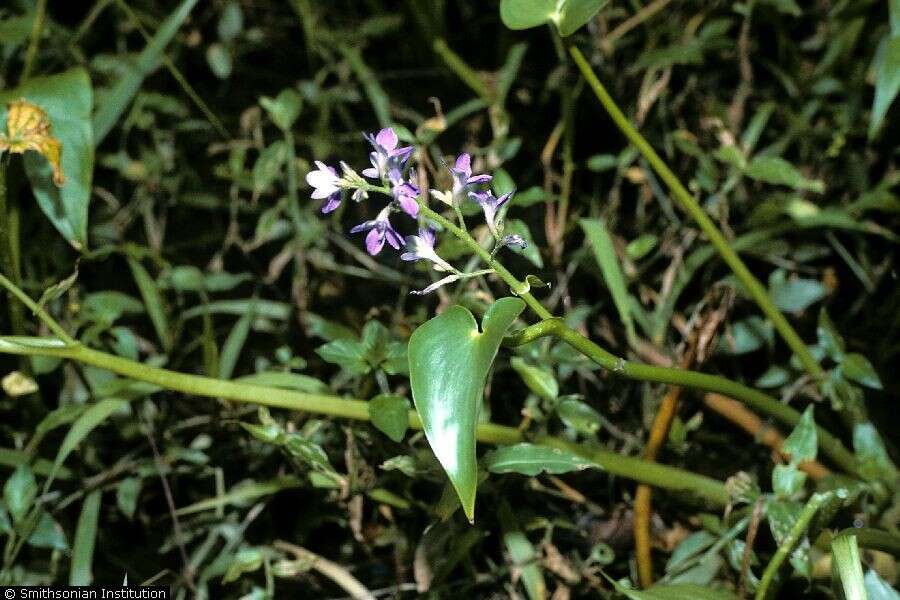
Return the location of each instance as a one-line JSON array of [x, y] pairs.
[[529, 459], [449, 360], [639, 247], [858, 368], [777, 171], [115, 101], [689, 548], [540, 381], [524, 14], [879, 589], [846, 567], [575, 13], [390, 414], [67, 99], [604, 251], [787, 480], [19, 492], [887, 80], [782, 516], [579, 416], [80, 572], [92, 417], [523, 554], [268, 166]]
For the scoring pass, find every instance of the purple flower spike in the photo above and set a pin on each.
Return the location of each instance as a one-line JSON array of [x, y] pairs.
[[405, 193], [463, 180], [490, 204], [326, 185], [380, 230], [421, 247], [387, 154]]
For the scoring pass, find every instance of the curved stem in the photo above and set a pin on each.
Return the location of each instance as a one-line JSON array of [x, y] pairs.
[[633, 370], [37, 30], [788, 544], [670, 375], [705, 489], [690, 205]]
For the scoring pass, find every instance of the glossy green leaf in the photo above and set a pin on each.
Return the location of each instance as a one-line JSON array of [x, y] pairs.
[[449, 360], [777, 171], [87, 422], [846, 567], [390, 414], [575, 13], [539, 380], [524, 14], [887, 80], [529, 459], [68, 100], [879, 589], [605, 252], [567, 15], [858, 368], [80, 571], [794, 294], [522, 553]]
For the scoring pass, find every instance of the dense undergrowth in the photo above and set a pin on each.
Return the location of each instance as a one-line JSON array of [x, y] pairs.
[[183, 243]]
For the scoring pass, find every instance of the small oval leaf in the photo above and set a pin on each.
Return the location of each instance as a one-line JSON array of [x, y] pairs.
[[390, 414], [529, 459]]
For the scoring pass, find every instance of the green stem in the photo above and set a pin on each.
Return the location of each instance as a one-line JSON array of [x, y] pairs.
[[293, 208], [875, 539], [703, 488], [690, 205], [9, 249], [634, 370], [681, 377], [37, 30], [788, 544]]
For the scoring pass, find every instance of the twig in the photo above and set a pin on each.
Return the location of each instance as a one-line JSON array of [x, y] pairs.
[[329, 569]]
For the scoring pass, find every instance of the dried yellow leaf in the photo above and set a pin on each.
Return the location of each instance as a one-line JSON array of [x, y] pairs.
[[29, 128]]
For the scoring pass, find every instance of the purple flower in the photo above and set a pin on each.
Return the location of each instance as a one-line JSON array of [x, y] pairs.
[[463, 181], [405, 193], [326, 185], [387, 154], [379, 229], [490, 204], [421, 247]]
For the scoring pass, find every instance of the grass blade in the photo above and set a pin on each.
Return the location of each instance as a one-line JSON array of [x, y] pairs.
[[605, 253], [85, 540]]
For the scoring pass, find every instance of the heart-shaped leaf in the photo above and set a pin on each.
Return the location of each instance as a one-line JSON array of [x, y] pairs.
[[567, 15], [390, 414], [449, 360], [575, 13], [67, 98]]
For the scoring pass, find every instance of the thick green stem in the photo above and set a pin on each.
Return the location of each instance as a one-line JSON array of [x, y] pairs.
[[792, 539], [690, 205], [681, 377], [703, 488], [633, 370], [9, 252], [37, 30], [875, 539]]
